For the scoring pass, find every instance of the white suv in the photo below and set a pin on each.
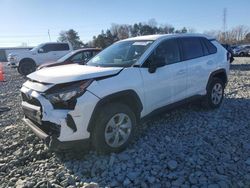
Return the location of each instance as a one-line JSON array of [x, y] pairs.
[[27, 61], [103, 102]]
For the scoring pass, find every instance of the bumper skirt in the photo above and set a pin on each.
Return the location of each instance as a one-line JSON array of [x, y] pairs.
[[53, 143]]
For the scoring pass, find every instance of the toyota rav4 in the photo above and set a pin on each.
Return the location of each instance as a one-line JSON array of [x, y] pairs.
[[102, 103]]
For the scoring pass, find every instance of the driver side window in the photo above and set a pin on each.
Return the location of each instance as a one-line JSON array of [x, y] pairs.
[[46, 48], [167, 52]]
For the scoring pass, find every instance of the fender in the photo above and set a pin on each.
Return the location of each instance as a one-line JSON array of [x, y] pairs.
[[221, 73], [128, 97]]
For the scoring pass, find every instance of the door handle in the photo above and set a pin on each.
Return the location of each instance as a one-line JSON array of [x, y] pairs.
[[181, 72]]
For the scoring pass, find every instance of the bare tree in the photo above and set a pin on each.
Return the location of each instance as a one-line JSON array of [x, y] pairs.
[[236, 35], [152, 22]]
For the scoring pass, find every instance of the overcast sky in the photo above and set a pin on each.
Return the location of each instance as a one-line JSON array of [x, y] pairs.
[[29, 20]]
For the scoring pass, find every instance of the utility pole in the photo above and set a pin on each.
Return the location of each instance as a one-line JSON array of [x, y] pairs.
[[49, 35], [224, 23]]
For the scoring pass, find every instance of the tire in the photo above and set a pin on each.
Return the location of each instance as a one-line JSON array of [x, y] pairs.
[[215, 93], [26, 67], [113, 121], [242, 54]]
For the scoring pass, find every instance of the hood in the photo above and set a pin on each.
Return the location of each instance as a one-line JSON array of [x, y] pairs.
[[70, 73], [26, 53]]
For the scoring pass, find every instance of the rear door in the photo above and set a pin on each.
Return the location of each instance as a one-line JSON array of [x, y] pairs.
[[200, 62], [45, 54], [168, 83], [60, 50]]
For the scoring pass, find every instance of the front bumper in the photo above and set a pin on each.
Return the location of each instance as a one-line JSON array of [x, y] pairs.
[[12, 64], [58, 126], [52, 142]]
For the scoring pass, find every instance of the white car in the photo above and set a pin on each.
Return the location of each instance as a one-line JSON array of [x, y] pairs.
[[103, 102], [27, 61]]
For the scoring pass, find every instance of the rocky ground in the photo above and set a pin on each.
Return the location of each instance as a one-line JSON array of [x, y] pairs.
[[186, 147]]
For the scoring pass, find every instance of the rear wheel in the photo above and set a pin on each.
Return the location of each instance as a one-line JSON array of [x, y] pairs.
[[215, 93], [26, 67], [114, 128]]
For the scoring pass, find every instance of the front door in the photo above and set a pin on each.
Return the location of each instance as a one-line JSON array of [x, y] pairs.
[[168, 83]]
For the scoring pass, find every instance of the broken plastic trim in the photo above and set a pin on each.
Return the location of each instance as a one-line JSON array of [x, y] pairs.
[[71, 123]]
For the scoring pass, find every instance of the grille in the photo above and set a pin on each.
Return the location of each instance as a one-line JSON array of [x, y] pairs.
[[48, 127]]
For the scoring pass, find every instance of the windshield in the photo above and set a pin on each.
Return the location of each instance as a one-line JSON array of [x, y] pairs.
[[37, 47], [63, 58], [121, 54]]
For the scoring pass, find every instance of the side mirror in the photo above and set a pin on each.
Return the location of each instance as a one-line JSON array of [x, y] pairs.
[[152, 66], [41, 50], [155, 62]]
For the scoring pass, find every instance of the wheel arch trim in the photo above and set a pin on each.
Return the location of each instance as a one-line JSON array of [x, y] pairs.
[[212, 75], [114, 97]]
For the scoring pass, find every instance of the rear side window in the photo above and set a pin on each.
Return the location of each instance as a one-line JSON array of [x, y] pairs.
[[60, 47], [210, 47], [191, 48]]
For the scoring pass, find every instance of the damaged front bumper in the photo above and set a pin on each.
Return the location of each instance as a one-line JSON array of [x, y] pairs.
[[60, 128], [52, 142]]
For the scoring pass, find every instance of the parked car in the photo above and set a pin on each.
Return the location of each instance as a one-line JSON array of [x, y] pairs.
[[103, 101], [80, 56], [242, 50], [27, 62]]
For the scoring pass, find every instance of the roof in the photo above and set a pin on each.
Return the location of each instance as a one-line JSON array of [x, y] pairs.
[[156, 37]]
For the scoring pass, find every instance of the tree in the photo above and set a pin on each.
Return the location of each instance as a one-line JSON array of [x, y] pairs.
[[123, 31], [72, 37], [247, 38], [184, 30], [236, 35], [152, 22]]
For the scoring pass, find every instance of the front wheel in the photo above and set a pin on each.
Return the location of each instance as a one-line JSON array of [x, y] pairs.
[[242, 54], [114, 128], [215, 93], [26, 67]]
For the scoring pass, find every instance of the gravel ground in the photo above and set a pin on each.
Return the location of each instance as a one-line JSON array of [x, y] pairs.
[[186, 147]]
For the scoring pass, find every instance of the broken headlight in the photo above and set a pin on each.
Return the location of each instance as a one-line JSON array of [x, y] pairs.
[[66, 92]]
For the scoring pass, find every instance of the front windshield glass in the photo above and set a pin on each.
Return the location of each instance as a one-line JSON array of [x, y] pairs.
[[37, 47], [121, 54]]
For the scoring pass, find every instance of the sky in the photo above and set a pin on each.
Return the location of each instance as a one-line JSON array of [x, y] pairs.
[[28, 21]]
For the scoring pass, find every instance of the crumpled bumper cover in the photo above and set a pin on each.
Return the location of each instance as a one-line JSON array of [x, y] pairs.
[[53, 143]]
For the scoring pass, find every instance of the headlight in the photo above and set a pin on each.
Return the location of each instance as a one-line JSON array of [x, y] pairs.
[[67, 92], [12, 57]]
